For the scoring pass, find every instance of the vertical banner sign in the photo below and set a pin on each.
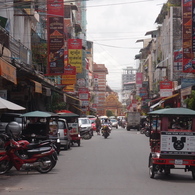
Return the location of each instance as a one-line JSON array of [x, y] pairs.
[[187, 36], [139, 79], [166, 88], [55, 33], [138, 82], [75, 54], [178, 56]]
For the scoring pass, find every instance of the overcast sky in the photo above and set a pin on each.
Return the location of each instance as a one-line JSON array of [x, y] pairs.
[[114, 26]]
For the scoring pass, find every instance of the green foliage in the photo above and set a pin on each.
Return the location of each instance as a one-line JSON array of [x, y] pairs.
[[109, 113], [190, 102], [56, 103]]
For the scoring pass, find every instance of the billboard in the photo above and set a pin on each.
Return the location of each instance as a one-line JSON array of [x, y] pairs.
[[75, 53], [188, 36], [55, 39]]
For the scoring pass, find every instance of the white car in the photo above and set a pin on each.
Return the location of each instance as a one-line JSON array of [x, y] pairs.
[[114, 123], [85, 124]]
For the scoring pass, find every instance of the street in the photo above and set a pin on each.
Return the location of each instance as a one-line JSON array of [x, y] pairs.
[[117, 165]]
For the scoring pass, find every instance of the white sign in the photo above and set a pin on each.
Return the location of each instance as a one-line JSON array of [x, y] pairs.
[[85, 103], [178, 143]]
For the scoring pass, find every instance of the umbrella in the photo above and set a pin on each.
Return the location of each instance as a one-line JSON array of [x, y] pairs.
[[5, 104], [40, 114]]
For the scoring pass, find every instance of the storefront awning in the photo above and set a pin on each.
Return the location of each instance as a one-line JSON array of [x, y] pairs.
[[72, 97], [38, 86], [175, 95], [7, 71], [77, 108], [157, 104]]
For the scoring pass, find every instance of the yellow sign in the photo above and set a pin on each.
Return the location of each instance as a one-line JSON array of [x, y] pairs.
[[68, 79], [75, 59], [8, 71], [69, 88]]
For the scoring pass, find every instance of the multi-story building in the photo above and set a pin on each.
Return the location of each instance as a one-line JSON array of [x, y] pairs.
[[128, 84], [160, 62], [23, 46], [100, 72]]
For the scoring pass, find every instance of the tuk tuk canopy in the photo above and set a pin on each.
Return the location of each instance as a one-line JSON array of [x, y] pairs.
[[173, 111]]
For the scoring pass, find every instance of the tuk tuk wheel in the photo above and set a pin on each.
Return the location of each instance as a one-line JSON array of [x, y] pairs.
[[151, 167], [167, 171], [193, 174], [79, 142], [152, 171]]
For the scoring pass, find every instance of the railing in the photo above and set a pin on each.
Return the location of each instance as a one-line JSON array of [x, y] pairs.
[[19, 52]]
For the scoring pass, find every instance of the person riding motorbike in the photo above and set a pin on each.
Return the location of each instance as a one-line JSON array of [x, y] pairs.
[[106, 123]]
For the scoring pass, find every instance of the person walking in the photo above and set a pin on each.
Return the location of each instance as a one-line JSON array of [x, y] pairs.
[[98, 125]]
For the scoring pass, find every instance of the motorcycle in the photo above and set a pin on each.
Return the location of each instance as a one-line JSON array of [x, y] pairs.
[[86, 134], [106, 130], [24, 155], [146, 129]]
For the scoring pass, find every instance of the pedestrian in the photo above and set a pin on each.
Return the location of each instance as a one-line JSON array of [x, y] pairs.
[[98, 125]]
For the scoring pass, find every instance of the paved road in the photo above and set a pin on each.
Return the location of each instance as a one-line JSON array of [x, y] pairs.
[[113, 166]]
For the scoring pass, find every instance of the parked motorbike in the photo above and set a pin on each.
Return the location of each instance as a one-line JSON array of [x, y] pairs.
[[145, 129], [106, 130], [24, 155], [86, 134]]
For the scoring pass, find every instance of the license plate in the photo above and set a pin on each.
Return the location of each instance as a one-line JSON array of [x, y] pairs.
[[178, 162]]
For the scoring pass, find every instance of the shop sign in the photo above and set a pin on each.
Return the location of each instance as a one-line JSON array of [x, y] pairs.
[[166, 88], [8, 71], [75, 53]]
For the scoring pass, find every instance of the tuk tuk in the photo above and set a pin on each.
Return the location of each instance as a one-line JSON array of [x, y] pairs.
[[39, 126], [72, 120], [172, 141]]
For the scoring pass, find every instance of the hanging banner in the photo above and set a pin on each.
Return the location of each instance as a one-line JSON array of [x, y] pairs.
[[55, 33], [187, 37], [75, 54]]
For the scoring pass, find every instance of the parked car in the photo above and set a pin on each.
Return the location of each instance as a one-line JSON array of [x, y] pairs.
[[9, 117], [85, 124], [114, 123], [65, 139]]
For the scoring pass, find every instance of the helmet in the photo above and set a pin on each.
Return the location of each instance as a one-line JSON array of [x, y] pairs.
[[13, 129]]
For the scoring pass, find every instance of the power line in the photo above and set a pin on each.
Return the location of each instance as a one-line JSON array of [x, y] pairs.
[[119, 3]]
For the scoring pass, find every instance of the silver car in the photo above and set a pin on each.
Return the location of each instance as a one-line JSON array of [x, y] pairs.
[[65, 139], [114, 123]]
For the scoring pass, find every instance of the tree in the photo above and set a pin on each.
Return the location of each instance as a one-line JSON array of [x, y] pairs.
[[109, 113], [190, 101]]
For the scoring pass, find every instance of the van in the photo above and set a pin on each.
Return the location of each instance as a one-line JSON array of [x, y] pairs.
[[65, 139]]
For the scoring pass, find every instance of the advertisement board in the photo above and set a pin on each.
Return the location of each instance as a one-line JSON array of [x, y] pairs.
[[55, 37], [178, 143]]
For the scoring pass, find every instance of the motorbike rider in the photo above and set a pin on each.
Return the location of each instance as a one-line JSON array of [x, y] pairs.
[[98, 125], [107, 122]]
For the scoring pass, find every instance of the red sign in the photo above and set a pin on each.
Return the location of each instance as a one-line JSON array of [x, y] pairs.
[[166, 84], [74, 43], [139, 78], [55, 8], [69, 70], [55, 33]]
